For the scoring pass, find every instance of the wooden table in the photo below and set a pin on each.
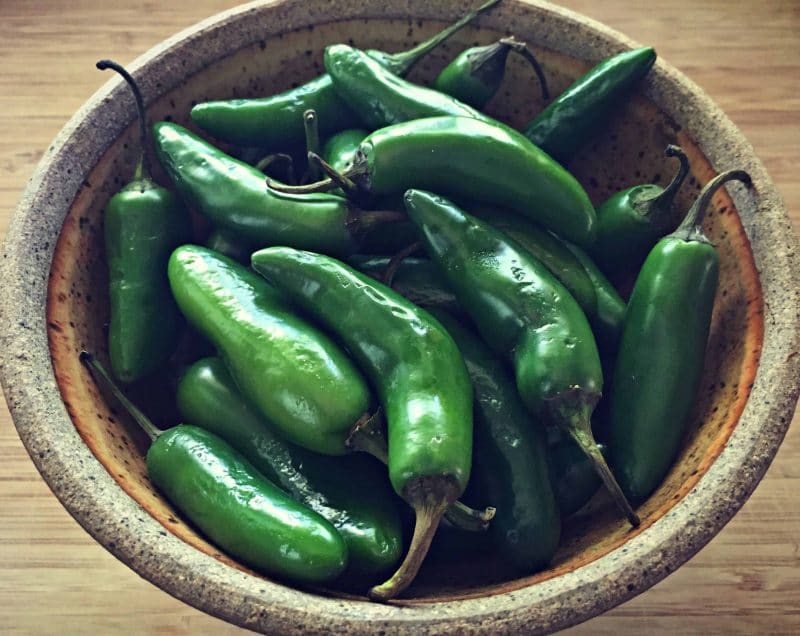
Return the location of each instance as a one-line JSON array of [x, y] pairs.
[[54, 577]]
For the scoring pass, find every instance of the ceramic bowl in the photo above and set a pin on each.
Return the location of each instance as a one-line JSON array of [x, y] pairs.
[[54, 303]]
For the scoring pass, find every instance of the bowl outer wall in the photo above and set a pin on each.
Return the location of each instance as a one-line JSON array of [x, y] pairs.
[[131, 535]]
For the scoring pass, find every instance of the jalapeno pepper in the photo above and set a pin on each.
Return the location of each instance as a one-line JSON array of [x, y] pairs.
[[572, 474], [475, 161], [510, 467], [233, 504], [290, 371], [340, 149], [475, 75], [630, 222], [220, 241], [417, 371], [525, 314], [367, 518], [415, 278], [231, 194], [662, 348], [143, 223], [573, 117], [276, 121]]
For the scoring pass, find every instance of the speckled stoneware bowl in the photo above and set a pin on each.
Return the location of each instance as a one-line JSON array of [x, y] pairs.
[[54, 303]]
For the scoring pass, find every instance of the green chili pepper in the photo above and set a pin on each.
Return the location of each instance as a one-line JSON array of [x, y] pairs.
[[227, 245], [630, 222], [367, 518], [510, 467], [143, 223], [416, 278], [662, 348], [581, 110], [340, 149], [233, 504], [417, 371], [380, 97], [572, 474], [475, 75], [471, 160], [232, 195], [289, 370], [526, 315], [276, 121]]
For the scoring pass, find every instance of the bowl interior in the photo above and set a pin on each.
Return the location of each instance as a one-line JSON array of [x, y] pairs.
[[627, 151]]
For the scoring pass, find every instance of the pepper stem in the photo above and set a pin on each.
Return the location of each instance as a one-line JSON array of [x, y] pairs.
[[429, 497], [396, 261], [105, 380], [520, 48], [401, 63], [579, 428], [311, 128], [368, 435], [690, 228], [275, 157], [334, 180], [142, 170]]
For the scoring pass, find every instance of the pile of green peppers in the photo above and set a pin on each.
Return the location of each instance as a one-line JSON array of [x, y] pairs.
[[423, 324]]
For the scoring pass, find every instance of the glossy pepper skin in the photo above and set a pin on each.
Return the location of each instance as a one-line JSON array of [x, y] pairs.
[[289, 370], [510, 466], [631, 221], [476, 74], [524, 314], [277, 122], [367, 518], [227, 245], [415, 367], [574, 117], [380, 97], [340, 149], [143, 223], [662, 349], [478, 161], [417, 279], [234, 505], [233, 196]]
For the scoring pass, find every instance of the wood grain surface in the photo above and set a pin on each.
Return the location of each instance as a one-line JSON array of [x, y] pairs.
[[55, 578]]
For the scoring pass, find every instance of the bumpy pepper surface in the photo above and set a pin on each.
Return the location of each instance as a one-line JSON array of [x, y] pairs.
[[510, 466], [143, 223], [417, 371], [662, 349], [234, 505], [276, 122], [525, 315], [578, 113], [366, 517], [294, 374]]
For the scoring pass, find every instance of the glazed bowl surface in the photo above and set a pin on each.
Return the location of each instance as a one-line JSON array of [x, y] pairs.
[[54, 274]]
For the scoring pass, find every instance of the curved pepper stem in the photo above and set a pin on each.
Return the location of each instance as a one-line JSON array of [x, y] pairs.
[[274, 158], [143, 165], [141, 419], [396, 260], [401, 63], [691, 227], [520, 48], [666, 197]]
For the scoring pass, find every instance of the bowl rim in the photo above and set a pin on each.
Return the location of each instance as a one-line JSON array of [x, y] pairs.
[[138, 540]]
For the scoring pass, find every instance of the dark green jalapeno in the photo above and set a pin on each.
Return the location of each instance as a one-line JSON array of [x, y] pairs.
[[340, 149], [662, 349], [526, 315], [580, 111], [289, 370], [233, 504], [276, 121], [510, 467], [418, 372], [415, 278], [380, 97], [631, 221], [143, 223], [470, 160], [475, 75], [232, 195], [367, 518], [572, 474]]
